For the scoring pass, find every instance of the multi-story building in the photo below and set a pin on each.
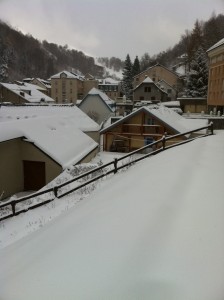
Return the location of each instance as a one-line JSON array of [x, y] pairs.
[[158, 73], [110, 87], [68, 87], [216, 77]]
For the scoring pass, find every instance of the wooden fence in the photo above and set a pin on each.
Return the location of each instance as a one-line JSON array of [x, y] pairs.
[[102, 171]]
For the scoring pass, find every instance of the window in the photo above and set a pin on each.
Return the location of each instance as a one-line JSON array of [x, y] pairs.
[[150, 121], [147, 89]]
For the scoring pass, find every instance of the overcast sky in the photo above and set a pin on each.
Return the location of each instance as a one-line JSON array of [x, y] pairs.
[[109, 27]]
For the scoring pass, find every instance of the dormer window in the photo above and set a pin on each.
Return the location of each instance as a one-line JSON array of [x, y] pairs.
[[63, 75]]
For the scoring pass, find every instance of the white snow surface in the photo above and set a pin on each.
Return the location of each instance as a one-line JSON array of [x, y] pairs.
[[152, 232], [71, 114]]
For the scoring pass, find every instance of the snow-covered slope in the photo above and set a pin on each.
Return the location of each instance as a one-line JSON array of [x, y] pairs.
[[153, 232]]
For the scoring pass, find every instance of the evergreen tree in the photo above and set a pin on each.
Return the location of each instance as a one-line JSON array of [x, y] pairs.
[[127, 77], [136, 66], [197, 81]]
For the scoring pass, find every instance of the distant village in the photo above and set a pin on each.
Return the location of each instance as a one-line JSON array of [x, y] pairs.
[[48, 125]]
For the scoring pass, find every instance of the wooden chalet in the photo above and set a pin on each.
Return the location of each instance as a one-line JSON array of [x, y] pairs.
[[144, 126]]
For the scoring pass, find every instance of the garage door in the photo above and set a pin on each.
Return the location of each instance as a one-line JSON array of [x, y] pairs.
[[34, 175]]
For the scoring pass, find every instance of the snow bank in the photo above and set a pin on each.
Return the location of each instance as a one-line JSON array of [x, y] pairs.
[[153, 232]]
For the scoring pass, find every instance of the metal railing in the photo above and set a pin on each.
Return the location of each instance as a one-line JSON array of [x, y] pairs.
[[57, 191]]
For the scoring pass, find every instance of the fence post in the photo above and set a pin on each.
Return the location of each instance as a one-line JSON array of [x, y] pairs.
[[164, 141], [212, 129], [13, 204], [115, 165], [55, 190]]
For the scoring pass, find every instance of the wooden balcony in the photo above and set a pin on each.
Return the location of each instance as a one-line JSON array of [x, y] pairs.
[[142, 129]]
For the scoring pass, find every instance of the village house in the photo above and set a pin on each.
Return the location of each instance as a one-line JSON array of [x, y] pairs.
[[144, 126], [97, 105], [148, 90], [216, 77], [23, 93], [68, 87], [110, 87], [37, 143], [158, 73]]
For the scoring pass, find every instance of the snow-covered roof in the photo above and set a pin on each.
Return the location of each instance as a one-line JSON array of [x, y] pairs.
[[163, 82], [107, 81], [94, 91], [29, 92], [174, 120], [167, 116], [68, 74], [57, 136], [171, 103], [219, 43], [46, 83], [70, 114]]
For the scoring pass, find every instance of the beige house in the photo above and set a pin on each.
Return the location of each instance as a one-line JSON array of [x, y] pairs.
[[23, 93], [68, 87], [144, 126], [35, 149], [148, 90], [216, 77], [158, 73], [97, 105]]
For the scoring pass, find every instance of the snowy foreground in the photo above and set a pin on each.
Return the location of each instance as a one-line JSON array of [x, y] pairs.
[[153, 232]]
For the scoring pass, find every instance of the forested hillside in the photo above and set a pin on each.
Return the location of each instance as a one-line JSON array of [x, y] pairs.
[[24, 56], [204, 34]]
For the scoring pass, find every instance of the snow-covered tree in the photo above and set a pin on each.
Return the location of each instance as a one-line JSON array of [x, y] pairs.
[[127, 77], [197, 81]]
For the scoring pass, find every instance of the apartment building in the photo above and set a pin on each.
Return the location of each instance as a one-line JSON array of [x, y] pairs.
[[68, 87], [216, 77]]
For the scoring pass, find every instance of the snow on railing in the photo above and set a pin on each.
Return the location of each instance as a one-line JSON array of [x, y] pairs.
[[12, 208]]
